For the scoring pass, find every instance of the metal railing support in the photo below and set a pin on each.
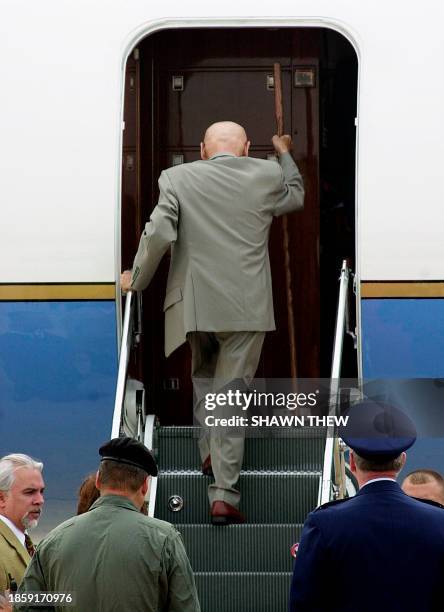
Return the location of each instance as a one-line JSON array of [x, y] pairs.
[[125, 350], [332, 454], [131, 332]]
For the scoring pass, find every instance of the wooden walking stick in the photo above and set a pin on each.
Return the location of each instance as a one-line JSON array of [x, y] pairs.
[[280, 130]]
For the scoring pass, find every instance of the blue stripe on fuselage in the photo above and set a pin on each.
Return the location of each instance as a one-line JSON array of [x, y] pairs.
[[58, 364], [404, 338]]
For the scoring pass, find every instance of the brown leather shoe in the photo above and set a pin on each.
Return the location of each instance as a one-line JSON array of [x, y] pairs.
[[225, 514], [207, 468]]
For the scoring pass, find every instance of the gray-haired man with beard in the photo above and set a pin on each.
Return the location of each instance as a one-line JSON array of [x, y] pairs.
[[21, 501]]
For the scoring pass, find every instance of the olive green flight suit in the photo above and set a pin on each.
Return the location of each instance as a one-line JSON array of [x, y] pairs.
[[114, 559]]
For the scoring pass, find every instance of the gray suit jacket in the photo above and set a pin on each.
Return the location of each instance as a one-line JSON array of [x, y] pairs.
[[216, 215]]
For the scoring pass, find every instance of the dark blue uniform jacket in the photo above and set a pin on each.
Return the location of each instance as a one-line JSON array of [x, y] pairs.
[[378, 551]]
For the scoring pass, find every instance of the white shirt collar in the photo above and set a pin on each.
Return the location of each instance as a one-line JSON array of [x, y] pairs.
[[377, 480], [223, 154], [18, 534]]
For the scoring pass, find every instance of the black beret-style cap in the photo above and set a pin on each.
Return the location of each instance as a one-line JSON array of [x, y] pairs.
[[376, 430], [129, 451]]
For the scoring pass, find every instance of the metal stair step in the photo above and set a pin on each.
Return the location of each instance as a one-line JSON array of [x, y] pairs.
[[240, 548], [279, 449], [266, 497], [243, 591], [242, 568], [187, 431]]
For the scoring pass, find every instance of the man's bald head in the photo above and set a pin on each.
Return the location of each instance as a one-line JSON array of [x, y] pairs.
[[425, 484], [224, 137]]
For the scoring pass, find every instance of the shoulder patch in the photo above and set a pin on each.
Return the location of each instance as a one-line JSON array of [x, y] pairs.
[[430, 502], [333, 503]]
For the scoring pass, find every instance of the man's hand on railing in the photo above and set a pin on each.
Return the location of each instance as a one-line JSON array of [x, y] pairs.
[[125, 281]]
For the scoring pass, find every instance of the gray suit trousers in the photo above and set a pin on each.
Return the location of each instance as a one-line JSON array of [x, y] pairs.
[[219, 358]]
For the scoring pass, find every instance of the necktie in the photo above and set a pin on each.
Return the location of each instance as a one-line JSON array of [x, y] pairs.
[[29, 545]]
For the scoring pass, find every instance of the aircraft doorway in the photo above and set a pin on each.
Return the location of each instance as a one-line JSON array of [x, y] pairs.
[[179, 82]]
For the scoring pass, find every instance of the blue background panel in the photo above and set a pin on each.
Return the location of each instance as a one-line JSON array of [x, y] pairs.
[[404, 338], [58, 368]]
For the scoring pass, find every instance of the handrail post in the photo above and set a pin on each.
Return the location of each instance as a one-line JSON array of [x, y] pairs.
[[131, 331], [331, 443], [125, 349]]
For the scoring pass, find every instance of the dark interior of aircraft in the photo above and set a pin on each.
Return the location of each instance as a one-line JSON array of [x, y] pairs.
[[180, 81]]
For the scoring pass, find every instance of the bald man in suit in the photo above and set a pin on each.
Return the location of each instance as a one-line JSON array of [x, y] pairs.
[[216, 214]]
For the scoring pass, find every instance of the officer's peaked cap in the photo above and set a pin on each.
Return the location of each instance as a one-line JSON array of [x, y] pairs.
[[378, 431], [129, 451]]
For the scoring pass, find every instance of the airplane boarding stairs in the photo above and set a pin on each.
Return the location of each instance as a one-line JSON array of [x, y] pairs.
[[286, 472], [242, 568]]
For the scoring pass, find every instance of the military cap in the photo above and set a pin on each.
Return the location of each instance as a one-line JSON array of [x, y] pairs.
[[376, 430], [129, 451]]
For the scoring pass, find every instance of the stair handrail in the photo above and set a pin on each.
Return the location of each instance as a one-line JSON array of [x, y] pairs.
[[333, 455], [131, 332], [125, 351]]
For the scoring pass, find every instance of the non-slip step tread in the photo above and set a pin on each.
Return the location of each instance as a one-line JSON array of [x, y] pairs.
[[188, 474], [243, 591], [178, 449], [246, 574], [188, 431], [240, 548], [265, 498], [276, 473], [238, 527]]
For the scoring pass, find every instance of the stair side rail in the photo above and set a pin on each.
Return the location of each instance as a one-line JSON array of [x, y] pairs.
[[334, 449], [126, 345], [131, 334]]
